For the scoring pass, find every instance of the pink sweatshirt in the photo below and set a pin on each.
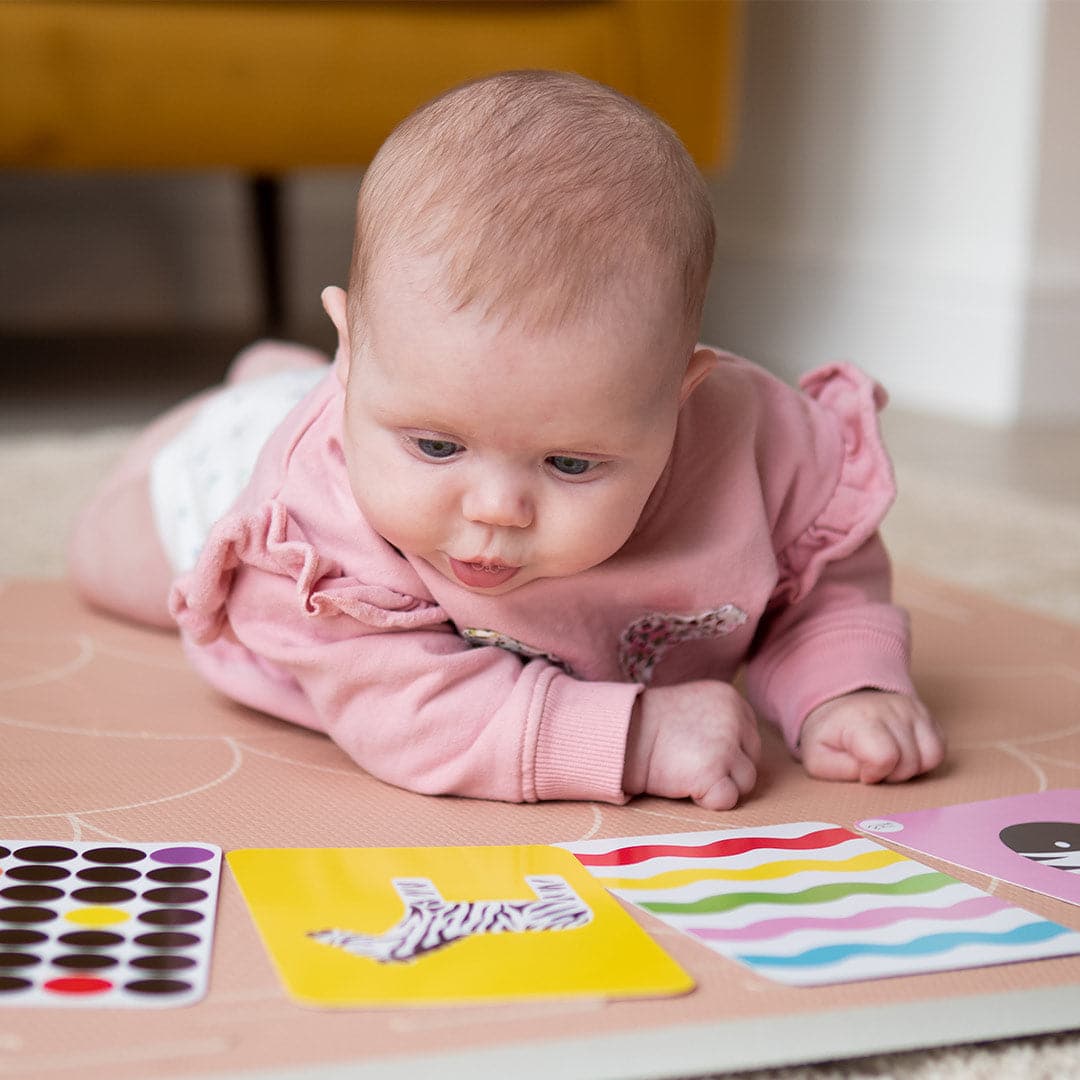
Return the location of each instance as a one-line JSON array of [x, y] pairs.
[[757, 547]]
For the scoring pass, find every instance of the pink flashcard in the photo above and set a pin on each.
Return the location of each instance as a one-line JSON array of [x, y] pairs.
[[1028, 840]]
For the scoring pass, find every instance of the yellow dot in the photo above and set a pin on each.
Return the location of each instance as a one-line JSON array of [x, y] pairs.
[[97, 916]]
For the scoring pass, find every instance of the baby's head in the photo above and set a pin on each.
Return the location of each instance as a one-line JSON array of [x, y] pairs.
[[531, 258], [540, 198]]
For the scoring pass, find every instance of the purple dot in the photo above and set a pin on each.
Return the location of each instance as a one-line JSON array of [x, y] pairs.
[[178, 855]]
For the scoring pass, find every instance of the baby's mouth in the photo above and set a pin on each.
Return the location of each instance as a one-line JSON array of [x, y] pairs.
[[482, 575]]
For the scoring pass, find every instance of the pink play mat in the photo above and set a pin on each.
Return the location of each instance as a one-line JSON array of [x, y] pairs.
[[107, 736]]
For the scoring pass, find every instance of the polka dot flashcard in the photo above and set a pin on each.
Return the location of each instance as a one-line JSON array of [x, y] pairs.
[[116, 925]]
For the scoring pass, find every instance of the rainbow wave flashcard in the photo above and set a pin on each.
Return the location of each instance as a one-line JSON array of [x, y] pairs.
[[369, 927], [810, 903]]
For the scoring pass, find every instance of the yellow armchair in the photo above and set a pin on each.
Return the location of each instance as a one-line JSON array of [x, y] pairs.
[[266, 86]]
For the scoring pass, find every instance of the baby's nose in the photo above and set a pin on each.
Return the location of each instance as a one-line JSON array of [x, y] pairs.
[[500, 503]]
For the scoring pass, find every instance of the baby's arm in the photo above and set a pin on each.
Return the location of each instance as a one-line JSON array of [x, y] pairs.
[[411, 702], [832, 670], [421, 709], [696, 740]]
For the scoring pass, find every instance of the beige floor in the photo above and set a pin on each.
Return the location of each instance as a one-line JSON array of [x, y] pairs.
[[993, 510]]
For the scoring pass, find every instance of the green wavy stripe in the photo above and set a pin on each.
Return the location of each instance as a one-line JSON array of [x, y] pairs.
[[817, 894]]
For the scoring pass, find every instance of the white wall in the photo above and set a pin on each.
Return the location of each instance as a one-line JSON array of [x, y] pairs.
[[1051, 383], [906, 197]]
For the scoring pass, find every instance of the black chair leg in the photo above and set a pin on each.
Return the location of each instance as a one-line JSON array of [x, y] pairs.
[[266, 204]]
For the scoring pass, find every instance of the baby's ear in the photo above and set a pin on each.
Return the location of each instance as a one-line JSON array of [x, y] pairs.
[[702, 361], [335, 304]]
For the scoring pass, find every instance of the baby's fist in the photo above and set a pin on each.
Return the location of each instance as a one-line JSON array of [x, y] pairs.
[[870, 736], [697, 740]]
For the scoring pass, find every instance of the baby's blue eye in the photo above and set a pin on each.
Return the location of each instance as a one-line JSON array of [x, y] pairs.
[[570, 466], [437, 448]]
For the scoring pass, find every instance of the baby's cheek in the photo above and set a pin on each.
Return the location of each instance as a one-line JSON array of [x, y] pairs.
[[385, 507], [606, 527], [585, 547]]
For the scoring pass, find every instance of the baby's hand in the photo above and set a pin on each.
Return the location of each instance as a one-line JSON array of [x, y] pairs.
[[697, 739], [871, 736]]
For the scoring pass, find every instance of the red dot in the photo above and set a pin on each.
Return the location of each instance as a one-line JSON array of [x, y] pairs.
[[78, 986]]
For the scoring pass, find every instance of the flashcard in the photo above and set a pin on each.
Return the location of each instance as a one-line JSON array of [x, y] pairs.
[[106, 925], [810, 903], [369, 927], [1028, 840]]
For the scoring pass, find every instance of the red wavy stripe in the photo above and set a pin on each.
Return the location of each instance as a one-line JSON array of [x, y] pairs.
[[627, 856]]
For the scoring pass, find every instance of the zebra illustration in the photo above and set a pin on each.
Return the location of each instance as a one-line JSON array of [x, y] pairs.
[[431, 922], [1051, 843]]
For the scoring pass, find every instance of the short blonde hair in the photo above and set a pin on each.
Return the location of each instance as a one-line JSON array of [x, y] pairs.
[[542, 193]]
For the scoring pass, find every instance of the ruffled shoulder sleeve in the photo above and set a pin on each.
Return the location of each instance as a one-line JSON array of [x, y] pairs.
[[293, 558], [293, 581], [860, 486]]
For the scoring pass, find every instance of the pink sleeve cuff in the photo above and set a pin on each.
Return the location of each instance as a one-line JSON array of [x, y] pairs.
[[581, 743]]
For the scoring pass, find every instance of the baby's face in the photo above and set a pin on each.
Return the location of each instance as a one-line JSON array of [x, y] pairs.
[[499, 456]]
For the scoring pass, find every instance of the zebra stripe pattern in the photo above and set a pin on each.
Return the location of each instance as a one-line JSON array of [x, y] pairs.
[[431, 922]]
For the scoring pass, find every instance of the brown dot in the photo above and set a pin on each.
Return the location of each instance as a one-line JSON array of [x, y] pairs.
[[38, 873], [179, 875], [163, 963], [4, 852], [22, 937], [44, 853], [10, 982], [85, 961], [31, 892], [102, 894], [90, 939], [108, 875], [18, 960], [114, 855], [167, 939], [174, 895], [26, 914], [157, 986], [170, 917]]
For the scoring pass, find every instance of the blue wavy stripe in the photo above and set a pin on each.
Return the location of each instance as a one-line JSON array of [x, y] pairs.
[[1029, 934]]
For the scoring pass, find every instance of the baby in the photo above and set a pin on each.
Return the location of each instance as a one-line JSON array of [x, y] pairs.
[[519, 538]]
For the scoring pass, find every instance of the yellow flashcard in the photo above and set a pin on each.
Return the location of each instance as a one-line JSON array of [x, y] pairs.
[[372, 927]]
